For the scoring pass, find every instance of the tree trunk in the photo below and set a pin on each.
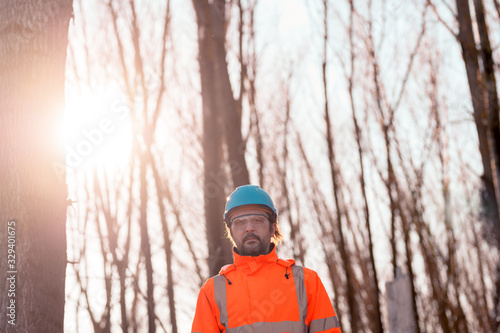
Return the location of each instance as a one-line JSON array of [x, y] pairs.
[[489, 84], [145, 243], [167, 244], [219, 249], [33, 43], [478, 95], [482, 85], [229, 108]]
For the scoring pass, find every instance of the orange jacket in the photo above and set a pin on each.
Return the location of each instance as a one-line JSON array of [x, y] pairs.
[[264, 294]]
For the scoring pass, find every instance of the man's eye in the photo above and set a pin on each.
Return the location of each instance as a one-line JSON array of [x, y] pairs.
[[240, 222]]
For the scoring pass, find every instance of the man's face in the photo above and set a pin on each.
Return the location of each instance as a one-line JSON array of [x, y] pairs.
[[251, 231]]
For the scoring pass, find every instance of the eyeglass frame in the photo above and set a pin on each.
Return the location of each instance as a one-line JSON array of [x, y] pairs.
[[247, 219]]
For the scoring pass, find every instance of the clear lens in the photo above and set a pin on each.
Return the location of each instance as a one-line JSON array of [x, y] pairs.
[[241, 222]]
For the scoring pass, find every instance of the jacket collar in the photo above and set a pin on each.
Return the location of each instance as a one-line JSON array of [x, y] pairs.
[[240, 260]]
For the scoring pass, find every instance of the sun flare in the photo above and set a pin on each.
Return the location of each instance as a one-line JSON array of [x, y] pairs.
[[96, 131]]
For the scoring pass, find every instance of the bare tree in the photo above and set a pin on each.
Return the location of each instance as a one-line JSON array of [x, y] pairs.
[[335, 174], [33, 43], [132, 188], [222, 124], [373, 280], [219, 250], [483, 90]]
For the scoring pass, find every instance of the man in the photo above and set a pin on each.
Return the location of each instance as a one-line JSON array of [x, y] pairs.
[[259, 292]]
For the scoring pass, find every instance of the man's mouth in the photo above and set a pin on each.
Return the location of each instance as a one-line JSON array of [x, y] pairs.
[[248, 239]]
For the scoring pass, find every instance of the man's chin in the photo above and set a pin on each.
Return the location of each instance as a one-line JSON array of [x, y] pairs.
[[253, 249]]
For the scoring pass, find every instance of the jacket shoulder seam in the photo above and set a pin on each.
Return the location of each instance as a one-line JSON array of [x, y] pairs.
[[286, 263]]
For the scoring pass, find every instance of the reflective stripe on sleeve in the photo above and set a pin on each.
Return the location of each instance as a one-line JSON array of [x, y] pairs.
[[300, 288], [319, 325], [220, 298]]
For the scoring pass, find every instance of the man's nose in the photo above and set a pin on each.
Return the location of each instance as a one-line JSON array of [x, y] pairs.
[[249, 226]]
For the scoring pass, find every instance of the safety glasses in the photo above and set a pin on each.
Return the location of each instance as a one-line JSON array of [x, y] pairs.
[[242, 221]]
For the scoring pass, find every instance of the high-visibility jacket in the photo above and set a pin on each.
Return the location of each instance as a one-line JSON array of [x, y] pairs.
[[264, 294]]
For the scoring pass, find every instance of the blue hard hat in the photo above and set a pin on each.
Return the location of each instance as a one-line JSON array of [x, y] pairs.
[[248, 195]]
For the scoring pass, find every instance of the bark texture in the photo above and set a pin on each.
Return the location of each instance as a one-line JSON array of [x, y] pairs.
[[479, 65], [33, 42], [219, 249]]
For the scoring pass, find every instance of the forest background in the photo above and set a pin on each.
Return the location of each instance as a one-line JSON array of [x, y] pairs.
[[373, 125]]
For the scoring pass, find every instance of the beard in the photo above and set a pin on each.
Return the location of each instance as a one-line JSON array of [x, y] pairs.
[[254, 248]]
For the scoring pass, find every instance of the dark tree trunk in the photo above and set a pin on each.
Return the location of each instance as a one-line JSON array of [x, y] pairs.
[[219, 249], [482, 86], [493, 108], [479, 97], [145, 242], [33, 43], [229, 108]]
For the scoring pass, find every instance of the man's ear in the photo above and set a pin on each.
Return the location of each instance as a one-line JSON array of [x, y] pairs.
[[273, 228]]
